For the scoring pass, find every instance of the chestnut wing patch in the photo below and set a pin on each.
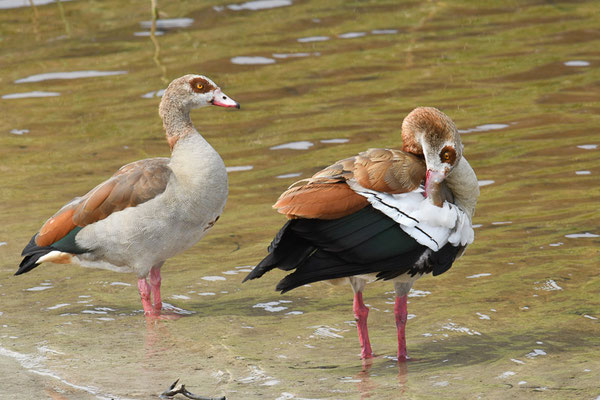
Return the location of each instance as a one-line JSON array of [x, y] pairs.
[[133, 184], [320, 198]]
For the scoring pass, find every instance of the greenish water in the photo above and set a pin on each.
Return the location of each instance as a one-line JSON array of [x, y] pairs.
[[516, 317]]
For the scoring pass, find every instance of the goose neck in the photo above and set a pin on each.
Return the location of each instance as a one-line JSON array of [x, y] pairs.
[[176, 120], [463, 183]]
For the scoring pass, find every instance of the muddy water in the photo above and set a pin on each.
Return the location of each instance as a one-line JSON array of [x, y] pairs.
[[517, 316]]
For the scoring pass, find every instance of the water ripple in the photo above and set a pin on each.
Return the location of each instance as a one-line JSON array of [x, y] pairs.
[[479, 275], [352, 35], [384, 31], [577, 63], [486, 182], [484, 128], [68, 75], [239, 168], [170, 23], [310, 39], [588, 146], [581, 235], [30, 94], [292, 175], [334, 141], [294, 55], [259, 5], [252, 60], [302, 145]]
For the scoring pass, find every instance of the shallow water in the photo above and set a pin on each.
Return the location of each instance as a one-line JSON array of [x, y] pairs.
[[516, 317]]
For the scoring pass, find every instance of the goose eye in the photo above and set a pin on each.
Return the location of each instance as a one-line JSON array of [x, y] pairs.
[[199, 86], [448, 155]]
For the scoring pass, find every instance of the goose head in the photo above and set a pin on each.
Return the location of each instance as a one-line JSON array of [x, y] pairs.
[[430, 133], [194, 91]]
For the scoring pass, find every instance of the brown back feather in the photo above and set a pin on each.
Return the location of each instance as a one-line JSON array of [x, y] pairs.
[[326, 195]]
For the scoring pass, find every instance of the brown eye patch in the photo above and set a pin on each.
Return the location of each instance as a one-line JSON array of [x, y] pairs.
[[201, 85], [448, 155]]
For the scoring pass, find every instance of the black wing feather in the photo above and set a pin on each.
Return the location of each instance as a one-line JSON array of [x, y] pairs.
[[442, 260], [364, 242]]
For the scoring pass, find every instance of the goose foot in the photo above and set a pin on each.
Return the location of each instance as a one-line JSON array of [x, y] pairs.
[[361, 312], [401, 313], [155, 281], [146, 296]]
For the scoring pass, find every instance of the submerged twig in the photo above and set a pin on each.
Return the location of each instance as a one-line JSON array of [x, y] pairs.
[[156, 57], [35, 21], [64, 18], [174, 389]]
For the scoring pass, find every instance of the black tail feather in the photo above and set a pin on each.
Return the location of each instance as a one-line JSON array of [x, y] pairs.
[[32, 253], [286, 251], [31, 247], [29, 263]]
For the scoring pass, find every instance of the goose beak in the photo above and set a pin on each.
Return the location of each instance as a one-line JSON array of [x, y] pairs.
[[433, 179], [222, 100]]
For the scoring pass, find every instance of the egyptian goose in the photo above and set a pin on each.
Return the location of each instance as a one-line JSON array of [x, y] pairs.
[[369, 217], [149, 210]]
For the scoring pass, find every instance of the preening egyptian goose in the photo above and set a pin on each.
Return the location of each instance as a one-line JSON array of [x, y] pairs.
[[369, 217], [149, 210]]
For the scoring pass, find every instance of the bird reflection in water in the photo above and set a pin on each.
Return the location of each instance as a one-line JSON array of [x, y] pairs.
[[366, 386]]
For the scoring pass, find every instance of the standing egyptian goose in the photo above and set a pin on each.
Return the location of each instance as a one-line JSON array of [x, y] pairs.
[[149, 210], [367, 217]]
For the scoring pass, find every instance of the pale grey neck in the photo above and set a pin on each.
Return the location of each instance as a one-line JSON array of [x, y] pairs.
[[462, 181], [176, 118]]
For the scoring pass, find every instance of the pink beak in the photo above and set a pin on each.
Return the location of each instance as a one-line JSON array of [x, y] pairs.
[[222, 100], [432, 179]]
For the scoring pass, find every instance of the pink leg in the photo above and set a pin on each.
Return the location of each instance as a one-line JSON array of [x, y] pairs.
[[155, 284], [401, 311], [145, 291], [361, 312]]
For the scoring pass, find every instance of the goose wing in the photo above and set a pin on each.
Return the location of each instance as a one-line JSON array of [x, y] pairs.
[[328, 193], [132, 184]]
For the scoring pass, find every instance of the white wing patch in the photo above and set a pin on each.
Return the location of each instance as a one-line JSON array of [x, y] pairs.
[[56, 256], [428, 224]]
